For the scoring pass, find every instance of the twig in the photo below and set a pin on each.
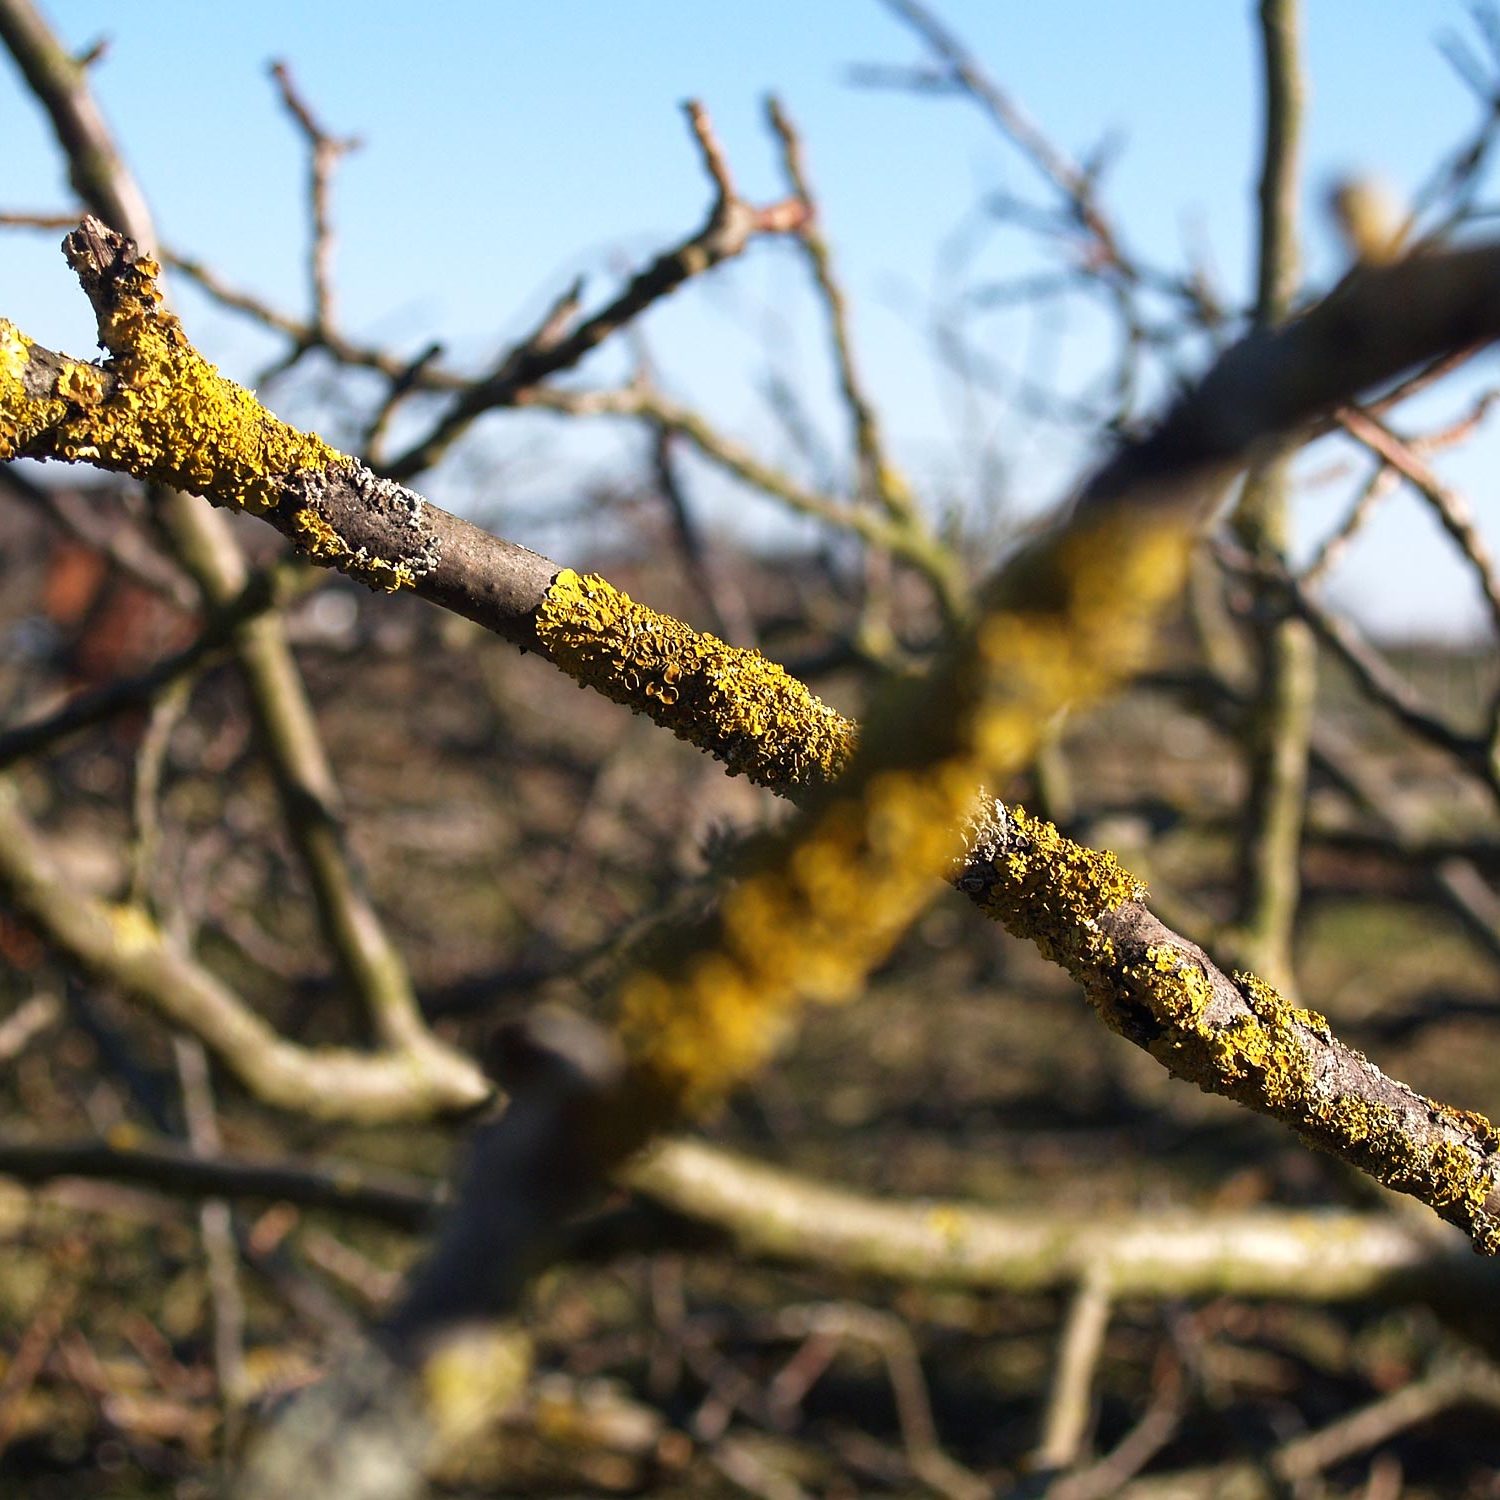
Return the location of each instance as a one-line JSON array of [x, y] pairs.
[[1070, 1401], [1323, 1257], [879, 479], [728, 615], [345, 1187], [907, 539], [1157, 1426], [1456, 1380], [892, 1340], [78, 516], [1379, 682], [325, 153], [217, 1230], [1276, 729], [150, 762], [1336, 543], [263, 591], [731, 224], [1452, 510], [36, 1343], [964, 72], [27, 1022], [123, 944]]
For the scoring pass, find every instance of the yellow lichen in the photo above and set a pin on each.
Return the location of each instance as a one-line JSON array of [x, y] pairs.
[[172, 417], [158, 410], [322, 542], [1051, 890], [812, 924], [22, 416], [469, 1380], [132, 928], [808, 928], [734, 703], [1266, 1054]]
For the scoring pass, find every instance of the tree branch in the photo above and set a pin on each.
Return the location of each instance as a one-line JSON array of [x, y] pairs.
[[1233, 1036]]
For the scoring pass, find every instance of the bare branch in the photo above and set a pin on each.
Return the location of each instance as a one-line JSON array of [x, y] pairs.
[[730, 226], [325, 153]]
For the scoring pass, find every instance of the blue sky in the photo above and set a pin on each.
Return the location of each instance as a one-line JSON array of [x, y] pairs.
[[509, 146]]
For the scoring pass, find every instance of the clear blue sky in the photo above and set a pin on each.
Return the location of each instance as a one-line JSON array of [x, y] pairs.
[[509, 146]]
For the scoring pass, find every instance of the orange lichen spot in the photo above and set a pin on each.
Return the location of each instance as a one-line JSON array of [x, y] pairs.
[[734, 703]]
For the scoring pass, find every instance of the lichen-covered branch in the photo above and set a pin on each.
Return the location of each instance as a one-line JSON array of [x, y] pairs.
[[708, 1001], [1233, 1037], [369, 962], [770, 1212], [1381, 683]]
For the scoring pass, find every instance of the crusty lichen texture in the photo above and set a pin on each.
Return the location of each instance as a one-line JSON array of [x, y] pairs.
[[750, 713], [1044, 887], [158, 410], [22, 417], [1238, 1037], [1276, 1055]]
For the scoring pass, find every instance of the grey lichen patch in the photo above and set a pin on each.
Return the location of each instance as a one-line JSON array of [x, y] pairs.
[[373, 529]]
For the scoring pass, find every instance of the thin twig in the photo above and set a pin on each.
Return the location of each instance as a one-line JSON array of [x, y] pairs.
[[217, 1230], [1070, 1400], [325, 151], [731, 224]]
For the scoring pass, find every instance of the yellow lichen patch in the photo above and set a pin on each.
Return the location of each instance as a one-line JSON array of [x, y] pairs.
[[811, 925], [1266, 1043], [81, 383], [315, 535], [734, 703], [1075, 616], [1052, 891], [470, 1380], [808, 929], [1267, 1053], [946, 1221], [157, 409], [174, 419], [22, 416], [134, 931], [317, 538]]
